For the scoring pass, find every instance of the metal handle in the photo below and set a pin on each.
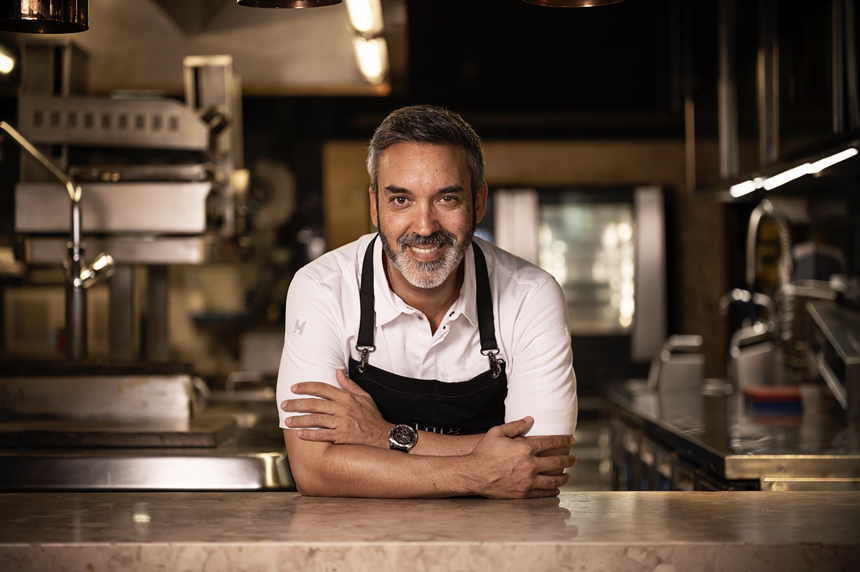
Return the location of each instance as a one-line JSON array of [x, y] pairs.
[[832, 381], [71, 187]]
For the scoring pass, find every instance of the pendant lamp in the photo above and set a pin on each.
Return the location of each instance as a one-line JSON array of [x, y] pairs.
[[571, 3], [43, 16], [286, 3]]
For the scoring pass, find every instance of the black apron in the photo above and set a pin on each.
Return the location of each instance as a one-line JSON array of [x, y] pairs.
[[459, 408]]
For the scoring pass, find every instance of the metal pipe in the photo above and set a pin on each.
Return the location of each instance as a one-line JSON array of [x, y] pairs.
[[74, 190], [78, 278], [727, 119], [76, 306], [838, 51]]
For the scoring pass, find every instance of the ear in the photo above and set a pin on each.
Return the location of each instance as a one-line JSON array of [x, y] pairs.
[[481, 203], [373, 207]]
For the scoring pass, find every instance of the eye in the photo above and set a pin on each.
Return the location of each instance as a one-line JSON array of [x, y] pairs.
[[399, 201], [448, 199]]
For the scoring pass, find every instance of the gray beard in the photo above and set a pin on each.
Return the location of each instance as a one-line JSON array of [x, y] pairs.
[[429, 274]]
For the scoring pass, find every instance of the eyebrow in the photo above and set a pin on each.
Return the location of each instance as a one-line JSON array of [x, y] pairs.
[[453, 189]]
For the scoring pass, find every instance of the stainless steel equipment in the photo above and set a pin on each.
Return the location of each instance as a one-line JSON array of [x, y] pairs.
[[161, 188], [836, 346], [85, 426], [78, 276], [709, 440], [607, 250], [677, 367], [776, 350], [158, 183]]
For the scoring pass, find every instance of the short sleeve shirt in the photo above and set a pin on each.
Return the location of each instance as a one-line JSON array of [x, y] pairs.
[[323, 314]]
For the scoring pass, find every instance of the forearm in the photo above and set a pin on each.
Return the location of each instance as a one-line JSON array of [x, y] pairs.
[[324, 469], [437, 445]]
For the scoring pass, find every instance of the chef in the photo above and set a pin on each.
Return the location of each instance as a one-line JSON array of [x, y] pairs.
[[422, 361]]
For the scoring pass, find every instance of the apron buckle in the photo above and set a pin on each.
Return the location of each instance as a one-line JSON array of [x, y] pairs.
[[365, 350], [495, 363]]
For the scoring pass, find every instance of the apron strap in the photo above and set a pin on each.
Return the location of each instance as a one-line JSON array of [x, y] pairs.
[[484, 302], [364, 344]]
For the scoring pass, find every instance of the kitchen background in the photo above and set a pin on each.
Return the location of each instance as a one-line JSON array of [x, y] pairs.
[[580, 106]]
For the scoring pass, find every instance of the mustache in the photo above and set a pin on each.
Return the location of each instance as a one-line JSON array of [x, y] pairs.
[[438, 237]]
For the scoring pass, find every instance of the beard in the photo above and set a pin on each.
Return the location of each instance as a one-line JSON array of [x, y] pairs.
[[432, 273]]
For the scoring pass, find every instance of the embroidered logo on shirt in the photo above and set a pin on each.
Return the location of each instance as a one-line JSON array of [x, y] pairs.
[[299, 328]]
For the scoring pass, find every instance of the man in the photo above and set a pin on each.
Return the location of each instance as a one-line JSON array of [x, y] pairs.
[[460, 367]]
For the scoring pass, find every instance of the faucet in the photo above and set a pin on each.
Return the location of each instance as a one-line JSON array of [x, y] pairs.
[[79, 277], [766, 208]]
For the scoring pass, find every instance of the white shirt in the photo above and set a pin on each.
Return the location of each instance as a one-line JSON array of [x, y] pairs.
[[323, 315]]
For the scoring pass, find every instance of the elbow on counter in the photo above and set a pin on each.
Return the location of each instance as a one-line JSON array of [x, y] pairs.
[[308, 468]]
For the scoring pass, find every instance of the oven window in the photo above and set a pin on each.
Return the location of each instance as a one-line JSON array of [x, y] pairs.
[[588, 247]]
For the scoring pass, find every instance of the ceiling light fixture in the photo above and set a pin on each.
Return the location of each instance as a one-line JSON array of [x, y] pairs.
[[746, 187], [571, 3], [365, 17], [780, 179], [286, 3], [40, 17], [7, 61], [822, 164], [786, 176], [372, 57]]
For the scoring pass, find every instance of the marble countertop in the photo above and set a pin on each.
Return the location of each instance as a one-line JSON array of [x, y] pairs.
[[654, 532]]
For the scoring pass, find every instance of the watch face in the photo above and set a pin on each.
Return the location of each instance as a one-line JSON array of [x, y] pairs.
[[403, 435]]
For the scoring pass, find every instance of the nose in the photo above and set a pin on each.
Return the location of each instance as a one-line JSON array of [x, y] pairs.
[[426, 220]]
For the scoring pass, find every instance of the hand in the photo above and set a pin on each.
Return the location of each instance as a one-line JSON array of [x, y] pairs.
[[346, 416], [512, 466]]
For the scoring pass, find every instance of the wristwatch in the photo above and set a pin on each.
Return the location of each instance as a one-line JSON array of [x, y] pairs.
[[402, 438]]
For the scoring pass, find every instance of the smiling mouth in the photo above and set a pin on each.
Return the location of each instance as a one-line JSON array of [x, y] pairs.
[[427, 250]]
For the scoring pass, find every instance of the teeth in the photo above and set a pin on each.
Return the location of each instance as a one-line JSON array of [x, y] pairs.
[[425, 250]]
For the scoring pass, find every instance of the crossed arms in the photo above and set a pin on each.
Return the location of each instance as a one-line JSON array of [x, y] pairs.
[[347, 453]]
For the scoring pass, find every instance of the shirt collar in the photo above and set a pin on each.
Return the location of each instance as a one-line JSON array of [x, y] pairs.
[[389, 305]]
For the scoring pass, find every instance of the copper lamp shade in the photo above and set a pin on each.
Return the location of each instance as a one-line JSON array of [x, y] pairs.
[[43, 16], [571, 3], [286, 3]]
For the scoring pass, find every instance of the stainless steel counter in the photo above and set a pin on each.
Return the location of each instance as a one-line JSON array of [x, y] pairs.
[[719, 440], [251, 458]]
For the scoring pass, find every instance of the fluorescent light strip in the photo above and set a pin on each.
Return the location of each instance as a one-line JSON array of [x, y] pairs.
[[786, 176], [742, 189], [747, 187], [822, 164]]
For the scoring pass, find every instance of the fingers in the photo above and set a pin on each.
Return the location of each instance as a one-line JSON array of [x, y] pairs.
[[550, 482], [515, 428], [348, 384], [546, 442], [308, 406], [326, 421], [315, 388], [317, 435], [555, 463]]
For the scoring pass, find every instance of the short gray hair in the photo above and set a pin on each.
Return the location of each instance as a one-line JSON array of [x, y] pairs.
[[426, 124]]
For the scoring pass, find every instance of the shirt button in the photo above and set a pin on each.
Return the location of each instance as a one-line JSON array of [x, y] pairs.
[[420, 318], [451, 314]]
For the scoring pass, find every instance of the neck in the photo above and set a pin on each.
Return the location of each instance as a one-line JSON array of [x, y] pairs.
[[432, 302]]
